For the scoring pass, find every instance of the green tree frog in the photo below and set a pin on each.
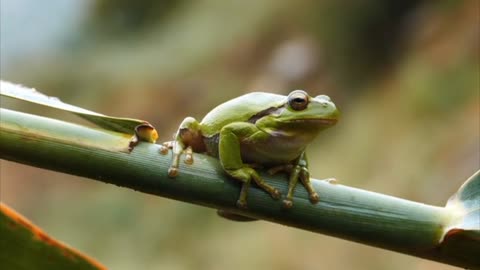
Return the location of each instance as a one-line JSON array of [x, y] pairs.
[[257, 130]]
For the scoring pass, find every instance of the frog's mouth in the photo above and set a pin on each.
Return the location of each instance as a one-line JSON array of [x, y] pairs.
[[318, 121]]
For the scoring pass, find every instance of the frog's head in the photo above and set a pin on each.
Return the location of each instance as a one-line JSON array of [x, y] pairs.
[[302, 114]]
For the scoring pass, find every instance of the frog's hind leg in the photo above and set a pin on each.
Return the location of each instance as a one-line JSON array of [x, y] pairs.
[[231, 160], [297, 171], [245, 178]]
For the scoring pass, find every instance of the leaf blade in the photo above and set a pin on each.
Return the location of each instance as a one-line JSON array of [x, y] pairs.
[[26, 246]]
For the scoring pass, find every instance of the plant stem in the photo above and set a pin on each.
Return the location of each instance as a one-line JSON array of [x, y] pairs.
[[349, 213]]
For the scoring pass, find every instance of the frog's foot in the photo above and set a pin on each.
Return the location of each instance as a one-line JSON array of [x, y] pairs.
[[296, 172], [305, 178], [312, 194], [293, 180], [165, 147], [188, 155], [287, 203], [314, 198], [242, 203], [246, 175], [177, 153], [173, 170]]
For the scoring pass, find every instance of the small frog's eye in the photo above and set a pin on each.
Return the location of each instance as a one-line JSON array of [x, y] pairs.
[[298, 100]]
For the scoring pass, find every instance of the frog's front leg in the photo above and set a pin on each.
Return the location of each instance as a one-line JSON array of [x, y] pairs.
[[297, 170], [230, 157], [305, 178], [188, 134]]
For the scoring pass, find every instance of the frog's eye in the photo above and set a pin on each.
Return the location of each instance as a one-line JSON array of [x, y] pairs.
[[298, 100]]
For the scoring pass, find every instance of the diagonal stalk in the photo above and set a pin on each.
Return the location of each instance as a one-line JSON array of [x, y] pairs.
[[349, 213]]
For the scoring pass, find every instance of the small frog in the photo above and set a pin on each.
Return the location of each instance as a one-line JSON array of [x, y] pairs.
[[257, 130]]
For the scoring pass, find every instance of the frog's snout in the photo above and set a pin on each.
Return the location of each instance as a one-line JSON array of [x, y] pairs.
[[323, 97], [335, 112], [328, 107]]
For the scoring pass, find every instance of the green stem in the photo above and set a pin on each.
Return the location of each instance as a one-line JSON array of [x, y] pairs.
[[349, 213]]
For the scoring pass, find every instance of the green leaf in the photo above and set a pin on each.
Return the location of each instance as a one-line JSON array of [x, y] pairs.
[[25, 246], [466, 203], [117, 124], [463, 230]]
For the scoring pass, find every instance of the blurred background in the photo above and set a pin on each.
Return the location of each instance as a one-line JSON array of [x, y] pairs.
[[405, 75]]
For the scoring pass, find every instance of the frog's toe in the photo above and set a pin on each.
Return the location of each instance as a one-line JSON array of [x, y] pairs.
[[242, 204], [276, 194], [314, 198], [188, 155], [287, 203], [172, 172], [163, 150], [188, 159], [165, 147]]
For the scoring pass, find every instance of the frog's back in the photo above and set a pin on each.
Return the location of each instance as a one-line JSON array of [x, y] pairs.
[[239, 109]]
